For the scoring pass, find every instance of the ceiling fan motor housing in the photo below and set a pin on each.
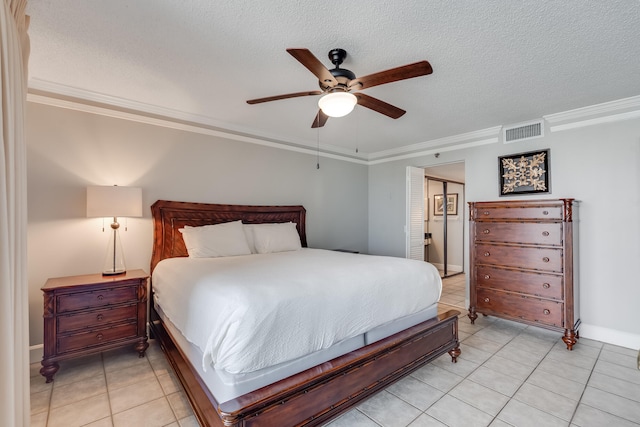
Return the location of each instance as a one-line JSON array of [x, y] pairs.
[[342, 75]]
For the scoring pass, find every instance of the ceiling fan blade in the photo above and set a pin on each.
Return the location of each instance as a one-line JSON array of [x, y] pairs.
[[288, 95], [320, 120], [380, 106], [313, 64], [409, 71]]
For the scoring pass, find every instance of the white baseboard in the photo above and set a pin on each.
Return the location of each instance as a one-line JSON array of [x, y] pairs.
[[35, 353], [610, 336], [606, 335]]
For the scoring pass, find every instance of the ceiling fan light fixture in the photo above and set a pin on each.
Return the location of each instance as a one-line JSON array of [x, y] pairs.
[[337, 104]]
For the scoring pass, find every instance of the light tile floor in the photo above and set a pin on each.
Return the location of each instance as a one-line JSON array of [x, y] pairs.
[[454, 289], [507, 375]]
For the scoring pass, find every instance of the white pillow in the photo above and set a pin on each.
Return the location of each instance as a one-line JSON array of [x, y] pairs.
[[219, 240], [248, 233], [278, 237]]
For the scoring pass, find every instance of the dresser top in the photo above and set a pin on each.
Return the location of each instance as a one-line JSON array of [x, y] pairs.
[[92, 279]]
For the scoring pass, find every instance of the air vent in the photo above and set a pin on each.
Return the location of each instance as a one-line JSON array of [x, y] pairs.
[[523, 131]]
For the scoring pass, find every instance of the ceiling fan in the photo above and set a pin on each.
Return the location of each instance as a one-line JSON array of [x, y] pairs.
[[337, 84]]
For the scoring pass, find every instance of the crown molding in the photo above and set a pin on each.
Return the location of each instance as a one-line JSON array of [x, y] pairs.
[[48, 93], [437, 150], [606, 112], [44, 92], [462, 140]]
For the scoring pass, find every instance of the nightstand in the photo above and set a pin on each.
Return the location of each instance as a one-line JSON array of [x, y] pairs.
[[92, 313]]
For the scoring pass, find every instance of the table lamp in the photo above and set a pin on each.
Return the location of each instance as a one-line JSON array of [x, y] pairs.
[[114, 201]]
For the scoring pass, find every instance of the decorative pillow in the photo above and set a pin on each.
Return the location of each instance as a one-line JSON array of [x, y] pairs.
[[219, 240], [278, 237]]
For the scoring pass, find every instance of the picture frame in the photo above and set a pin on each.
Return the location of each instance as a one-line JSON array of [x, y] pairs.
[[452, 204], [524, 173]]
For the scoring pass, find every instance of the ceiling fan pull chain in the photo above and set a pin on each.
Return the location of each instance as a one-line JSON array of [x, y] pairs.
[[318, 142]]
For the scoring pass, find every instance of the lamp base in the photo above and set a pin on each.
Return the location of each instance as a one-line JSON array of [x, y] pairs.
[[114, 259], [113, 273]]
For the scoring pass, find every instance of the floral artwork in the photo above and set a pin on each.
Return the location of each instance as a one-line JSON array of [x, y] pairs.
[[524, 173]]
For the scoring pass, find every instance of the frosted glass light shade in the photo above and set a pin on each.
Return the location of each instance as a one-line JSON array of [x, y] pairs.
[[114, 201], [337, 104]]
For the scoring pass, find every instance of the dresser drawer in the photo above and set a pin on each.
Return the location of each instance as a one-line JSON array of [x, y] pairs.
[[521, 307], [87, 320], [97, 298], [508, 232], [536, 284], [543, 259], [96, 337], [518, 212]]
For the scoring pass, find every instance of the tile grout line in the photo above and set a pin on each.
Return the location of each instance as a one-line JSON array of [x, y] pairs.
[[495, 417]]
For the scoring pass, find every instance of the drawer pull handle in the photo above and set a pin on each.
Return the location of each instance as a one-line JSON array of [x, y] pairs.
[[100, 317], [487, 277], [546, 285], [546, 311], [486, 231], [485, 213], [99, 337], [545, 212], [545, 259], [100, 297], [545, 233], [486, 300], [487, 254]]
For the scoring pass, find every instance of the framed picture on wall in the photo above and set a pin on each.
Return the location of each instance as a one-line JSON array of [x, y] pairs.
[[524, 173], [452, 204]]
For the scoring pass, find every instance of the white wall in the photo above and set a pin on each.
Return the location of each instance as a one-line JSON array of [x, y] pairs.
[[597, 165], [70, 150]]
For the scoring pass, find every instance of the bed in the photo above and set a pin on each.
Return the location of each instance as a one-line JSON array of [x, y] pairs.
[[305, 392]]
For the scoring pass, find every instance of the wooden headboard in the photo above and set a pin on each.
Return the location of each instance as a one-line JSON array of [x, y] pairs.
[[169, 216]]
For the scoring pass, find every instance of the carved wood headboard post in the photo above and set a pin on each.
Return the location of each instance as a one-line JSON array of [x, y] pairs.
[[169, 216]]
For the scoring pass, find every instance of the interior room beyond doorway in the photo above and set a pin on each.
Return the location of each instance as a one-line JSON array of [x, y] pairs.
[[444, 228]]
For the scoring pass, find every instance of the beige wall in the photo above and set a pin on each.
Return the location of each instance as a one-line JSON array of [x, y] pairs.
[[70, 150]]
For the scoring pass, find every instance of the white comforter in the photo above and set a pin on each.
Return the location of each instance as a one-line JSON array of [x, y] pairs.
[[253, 311]]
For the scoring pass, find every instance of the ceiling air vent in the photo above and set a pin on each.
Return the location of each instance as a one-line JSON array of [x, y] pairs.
[[523, 131]]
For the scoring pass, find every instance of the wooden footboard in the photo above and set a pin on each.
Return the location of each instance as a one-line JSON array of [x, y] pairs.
[[315, 396]]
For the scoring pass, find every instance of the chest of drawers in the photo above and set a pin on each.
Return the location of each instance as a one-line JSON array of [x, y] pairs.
[[521, 262], [92, 313]]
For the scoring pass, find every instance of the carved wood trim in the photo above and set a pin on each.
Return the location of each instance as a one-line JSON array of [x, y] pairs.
[[169, 216], [49, 300]]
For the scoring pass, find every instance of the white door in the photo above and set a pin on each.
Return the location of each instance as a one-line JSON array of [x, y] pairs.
[[414, 230]]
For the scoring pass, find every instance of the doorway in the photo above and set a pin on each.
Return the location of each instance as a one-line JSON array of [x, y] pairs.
[[446, 229]]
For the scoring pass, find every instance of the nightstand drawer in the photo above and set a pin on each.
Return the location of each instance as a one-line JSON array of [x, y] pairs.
[[96, 337], [537, 284], [521, 307], [518, 212], [98, 298], [513, 256], [73, 322], [532, 233]]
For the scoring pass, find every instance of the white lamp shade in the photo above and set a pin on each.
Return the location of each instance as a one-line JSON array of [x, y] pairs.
[[337, 104], [114, 201]]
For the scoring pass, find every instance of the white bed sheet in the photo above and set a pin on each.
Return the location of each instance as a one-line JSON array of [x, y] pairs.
[[224, 386], [249, 312]]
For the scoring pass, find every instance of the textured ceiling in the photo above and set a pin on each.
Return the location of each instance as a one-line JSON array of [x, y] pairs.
[[494, 62]]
